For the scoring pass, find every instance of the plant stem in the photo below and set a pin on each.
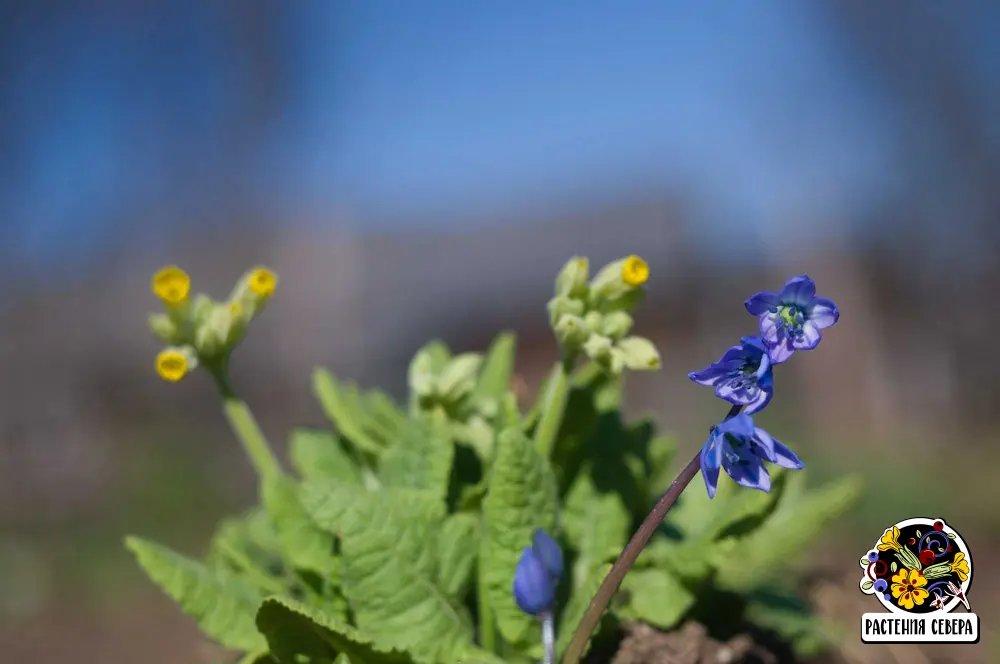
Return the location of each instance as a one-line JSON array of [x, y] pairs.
[[554, 406], [549, 637], [592, 618], [245, 426]]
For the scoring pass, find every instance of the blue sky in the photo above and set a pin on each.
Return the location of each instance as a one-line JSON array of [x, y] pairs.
[[395, 110]]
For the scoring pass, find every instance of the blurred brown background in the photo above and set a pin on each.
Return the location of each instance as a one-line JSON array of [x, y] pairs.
[[418, 170]]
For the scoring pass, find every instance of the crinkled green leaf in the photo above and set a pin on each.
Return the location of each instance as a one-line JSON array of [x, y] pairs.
[[654, 596], [521, 498], [236, 547], [458, 546], [422, 457], [223, 605], [388, 542], [577, 605], [304, 544], [349, 412], [317, 453], [786, 534], [597, 523], [295, 631], [498, 367]]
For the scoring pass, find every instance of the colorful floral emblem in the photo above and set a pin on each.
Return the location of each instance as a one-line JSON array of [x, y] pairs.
[[918, 566]]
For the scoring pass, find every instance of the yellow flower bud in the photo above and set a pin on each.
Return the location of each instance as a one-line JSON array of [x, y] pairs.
[[635, 271], [262, 282], [172, 364], [172, 285]]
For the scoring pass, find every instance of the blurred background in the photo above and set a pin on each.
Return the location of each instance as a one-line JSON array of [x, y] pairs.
[[422, 169]]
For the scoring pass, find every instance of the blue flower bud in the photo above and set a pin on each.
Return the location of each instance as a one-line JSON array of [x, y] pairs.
[[534, 587], [548, 552]]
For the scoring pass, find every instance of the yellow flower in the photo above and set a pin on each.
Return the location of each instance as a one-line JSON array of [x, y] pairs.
[[172, 285], [908, 588], [263, 282], [172, 365], [960, 566], [890, 540], [635, 271]]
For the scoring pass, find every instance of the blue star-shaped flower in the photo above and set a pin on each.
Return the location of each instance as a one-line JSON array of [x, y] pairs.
[[742, 377], [792, 319], [740, 448]]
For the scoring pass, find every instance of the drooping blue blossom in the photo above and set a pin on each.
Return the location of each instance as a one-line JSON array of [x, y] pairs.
[[742, 377], [537, 574], [740, 448], [792, 319]]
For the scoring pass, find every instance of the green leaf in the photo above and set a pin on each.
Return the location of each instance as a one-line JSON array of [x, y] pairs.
[[654, 596], [893, 566], [498, 367], [235, 549], [458, 545], [596, 522], [422, 457], [222, 604], [521, 498], [579, 601], [791, 528], [346, 408], [660, 455], [304, 545], [867, 584], [389, 565], [317, 453], [789, 617], [294, 630]]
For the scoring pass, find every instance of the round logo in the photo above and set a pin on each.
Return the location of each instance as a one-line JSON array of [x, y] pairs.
[[918, 566]]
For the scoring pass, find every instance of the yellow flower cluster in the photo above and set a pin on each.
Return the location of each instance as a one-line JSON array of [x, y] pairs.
[[200, 330], [908, 588]]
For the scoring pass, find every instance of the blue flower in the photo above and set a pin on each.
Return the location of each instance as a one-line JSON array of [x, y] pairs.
[[537, 574], [740, 448], [792, 319], [743, 375]]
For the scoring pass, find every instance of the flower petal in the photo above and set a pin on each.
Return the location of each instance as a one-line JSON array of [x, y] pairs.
[[759, 303], [771, 449], [760, 401], [752, 475], [740, 427], [811, 336], [713, 373], [781, 351], [772, 330], [736, 390], [823, 312], [798, 290], [711, 457]]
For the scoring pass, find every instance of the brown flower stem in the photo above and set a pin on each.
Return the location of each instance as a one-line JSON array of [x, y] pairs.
[[628, 556]]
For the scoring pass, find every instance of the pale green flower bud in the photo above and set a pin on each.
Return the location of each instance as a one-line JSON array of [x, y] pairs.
[[458, 378], [561, 305], [616, 324], [572, 279], [619, 278], [639, 354], [571, 331], [211, 338], [598, 348], [421, 375], [166, 328], [594, 321]]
